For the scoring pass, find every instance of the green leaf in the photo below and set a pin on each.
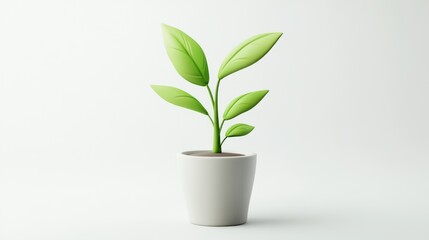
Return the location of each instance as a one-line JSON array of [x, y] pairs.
[[238, 130], [180, 98], [248, 53], [186, 55], [243, 104]]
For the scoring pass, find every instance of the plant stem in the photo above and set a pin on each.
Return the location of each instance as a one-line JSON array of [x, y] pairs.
[[221, 125], [223, 140], [211, 120], [211, 94], [211, 98], [217, 147]]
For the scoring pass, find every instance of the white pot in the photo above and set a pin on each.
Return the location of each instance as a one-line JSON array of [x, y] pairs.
[[217, 188]]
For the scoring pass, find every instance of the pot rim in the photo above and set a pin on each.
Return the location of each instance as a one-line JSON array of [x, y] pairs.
[[244, 154]]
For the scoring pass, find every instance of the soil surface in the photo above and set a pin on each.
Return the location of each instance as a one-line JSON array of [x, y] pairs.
[[211, 154]]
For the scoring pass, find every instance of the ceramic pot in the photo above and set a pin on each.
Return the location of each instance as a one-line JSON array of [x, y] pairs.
[[217, 186]]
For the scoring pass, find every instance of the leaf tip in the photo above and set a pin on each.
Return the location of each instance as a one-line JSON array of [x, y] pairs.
[[166, 29], [251, 128], [163, 25], [156, 88], [239, 129]]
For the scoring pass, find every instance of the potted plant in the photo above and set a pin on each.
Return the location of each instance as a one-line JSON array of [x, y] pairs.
[[217, 184]]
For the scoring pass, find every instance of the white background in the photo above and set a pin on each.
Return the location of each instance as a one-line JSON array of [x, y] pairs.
[[87, 150]]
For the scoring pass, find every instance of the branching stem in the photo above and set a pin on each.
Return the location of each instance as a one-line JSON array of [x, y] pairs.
[[217, 146], [223, 140], [221, 125], [211, 95], [211, 119]]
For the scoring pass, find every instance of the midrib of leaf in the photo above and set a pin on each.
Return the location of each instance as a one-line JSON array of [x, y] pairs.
[[184, 52], [192, 75], [245, 103], [191, 53], [238, 59], [234, 129], [233, 104], [239, 128], [175, 97], [239, 50], [190, 56], [195, 101], [179, 50]]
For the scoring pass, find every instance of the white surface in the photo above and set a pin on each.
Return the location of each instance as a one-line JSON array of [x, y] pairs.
[[87, 150]]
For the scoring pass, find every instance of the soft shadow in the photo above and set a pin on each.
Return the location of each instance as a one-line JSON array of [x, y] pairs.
[[284, 221]]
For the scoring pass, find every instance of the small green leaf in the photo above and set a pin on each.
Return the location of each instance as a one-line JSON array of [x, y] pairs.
[[180, 98], [238, 130], [186, 55], [248, 53], [243, 104]]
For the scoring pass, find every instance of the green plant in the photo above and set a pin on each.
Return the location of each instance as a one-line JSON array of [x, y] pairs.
[[190, 62]]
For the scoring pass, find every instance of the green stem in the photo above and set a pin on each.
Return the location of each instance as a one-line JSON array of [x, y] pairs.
[[211, 94], [217, 147], [211, 98], [221, 125], [223, 140], [211, 120]]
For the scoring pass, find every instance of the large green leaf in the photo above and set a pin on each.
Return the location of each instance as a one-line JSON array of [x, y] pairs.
[[248, 53], [180, 98], [243, 104], [238, 130], [186, 55]]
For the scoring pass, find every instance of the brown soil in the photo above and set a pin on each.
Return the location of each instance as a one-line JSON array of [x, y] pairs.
[[210, 154]]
